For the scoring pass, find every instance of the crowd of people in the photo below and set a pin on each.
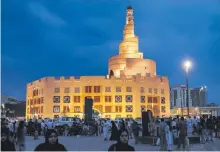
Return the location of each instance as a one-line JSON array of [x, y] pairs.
[[167, 131], [179, 129], [14, 132], [13, 135]]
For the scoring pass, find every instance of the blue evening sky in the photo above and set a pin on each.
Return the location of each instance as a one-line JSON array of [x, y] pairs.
[[76, 37]]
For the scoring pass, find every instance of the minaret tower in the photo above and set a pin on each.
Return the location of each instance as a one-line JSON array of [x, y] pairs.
[[130, 61], [129, 45], [129, 32]]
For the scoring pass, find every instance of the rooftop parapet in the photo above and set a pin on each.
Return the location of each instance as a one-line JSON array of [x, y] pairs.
[[134, 78]]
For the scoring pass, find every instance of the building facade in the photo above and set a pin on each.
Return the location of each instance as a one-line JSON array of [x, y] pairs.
[[131, 86], [197, 96], [178, 97]]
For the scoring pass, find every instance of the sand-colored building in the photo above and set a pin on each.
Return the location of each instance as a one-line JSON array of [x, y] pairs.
[[131, 86]]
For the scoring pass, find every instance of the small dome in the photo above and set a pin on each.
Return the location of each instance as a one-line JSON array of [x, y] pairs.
[[129, 7]]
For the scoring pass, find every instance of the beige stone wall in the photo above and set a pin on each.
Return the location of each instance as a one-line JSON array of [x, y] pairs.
[[129, 46], [132, 66], [49, 84]]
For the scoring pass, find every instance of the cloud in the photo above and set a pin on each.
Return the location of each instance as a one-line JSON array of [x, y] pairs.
[[46, 15], [168, 32]]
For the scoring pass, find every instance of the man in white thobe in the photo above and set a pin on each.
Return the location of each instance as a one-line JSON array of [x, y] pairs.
[[105, 130], [189, 125], [50, 124]]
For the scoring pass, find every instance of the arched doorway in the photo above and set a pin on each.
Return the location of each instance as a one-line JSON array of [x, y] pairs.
[[111, 73]]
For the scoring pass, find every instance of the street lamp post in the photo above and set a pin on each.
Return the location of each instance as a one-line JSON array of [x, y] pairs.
[[187, 65], [187, 92], [181, 106]]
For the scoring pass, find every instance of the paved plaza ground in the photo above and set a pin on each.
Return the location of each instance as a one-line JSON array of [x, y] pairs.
[[98, 144]]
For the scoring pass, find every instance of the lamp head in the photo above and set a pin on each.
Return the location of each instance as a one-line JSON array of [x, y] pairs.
[[187, 64]]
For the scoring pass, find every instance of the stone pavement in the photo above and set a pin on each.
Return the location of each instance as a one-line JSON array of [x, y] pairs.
[[208, 146], [98, 144]]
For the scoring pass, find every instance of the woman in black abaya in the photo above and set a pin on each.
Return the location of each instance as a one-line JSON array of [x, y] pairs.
[[51, 142], [114, 132], [122, 142]]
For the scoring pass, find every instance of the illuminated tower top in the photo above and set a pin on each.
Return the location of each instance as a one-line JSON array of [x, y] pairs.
[[129, 17], [130, 21], [129, 46], [130, 62]]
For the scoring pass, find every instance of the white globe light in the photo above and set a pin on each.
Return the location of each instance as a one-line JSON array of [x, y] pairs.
[[187, 64]]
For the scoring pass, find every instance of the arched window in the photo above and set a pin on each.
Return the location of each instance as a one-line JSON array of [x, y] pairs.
[[111, 74]]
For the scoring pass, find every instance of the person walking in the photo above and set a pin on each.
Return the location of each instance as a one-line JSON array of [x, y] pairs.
[[215, 125], [163, 141], [11, 130], [21, 136], [195, 125], [114, 131], [36, 133], [169, 136], [122, 142], [210, 128], [218, 126], [122, 126], [173, 124], [39, 127], [202, 130], [182, 133], [30, 128], [6, 144], [105, 130], [129, 129], [16, 123], [96, 127], [189, 125], [135, 130], [100, 126], [51, 142], [43, 127]]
